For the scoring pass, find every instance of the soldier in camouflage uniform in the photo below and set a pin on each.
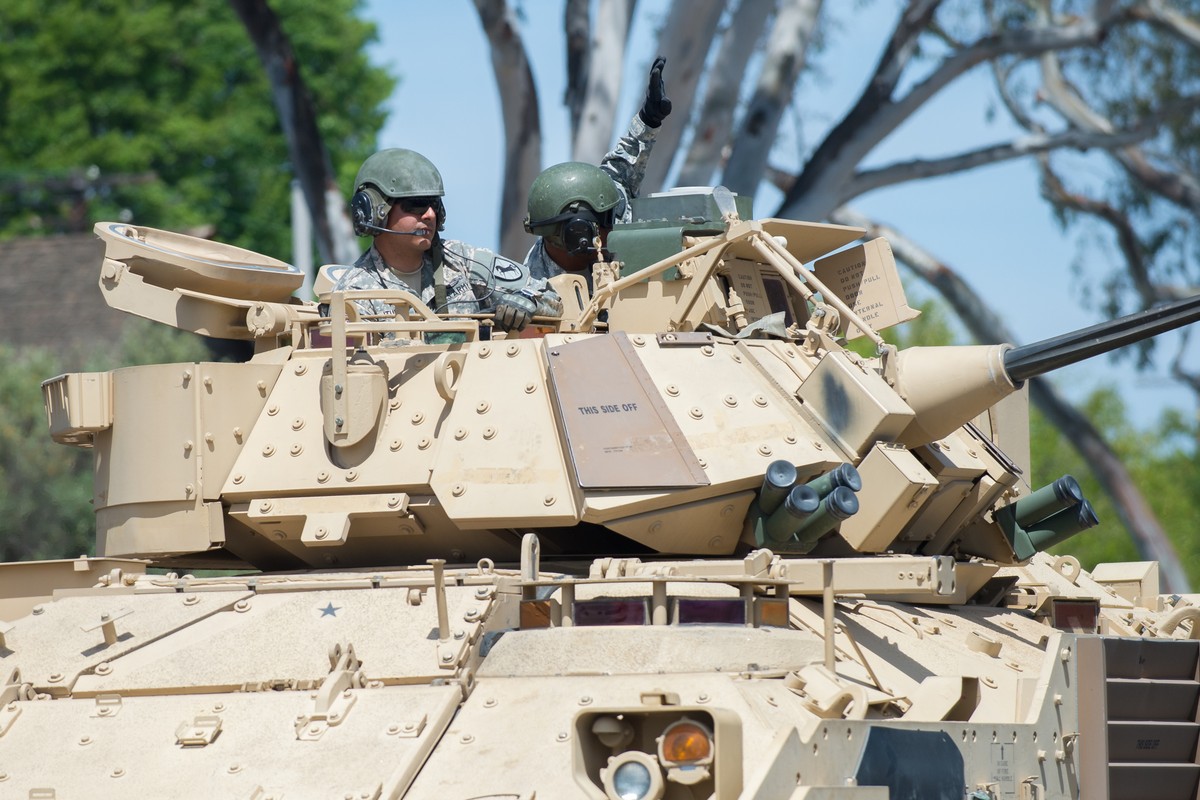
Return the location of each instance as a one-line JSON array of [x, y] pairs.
[[569, 204], [398, 200]]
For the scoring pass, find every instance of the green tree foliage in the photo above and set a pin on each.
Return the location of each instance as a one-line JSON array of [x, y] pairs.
[[159, 112], [46, 505], [1163, 462]]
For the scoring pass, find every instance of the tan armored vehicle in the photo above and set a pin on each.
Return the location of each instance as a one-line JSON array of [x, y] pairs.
[[683, 545]]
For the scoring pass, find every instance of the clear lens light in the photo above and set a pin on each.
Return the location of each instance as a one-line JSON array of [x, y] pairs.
[[631, 781]]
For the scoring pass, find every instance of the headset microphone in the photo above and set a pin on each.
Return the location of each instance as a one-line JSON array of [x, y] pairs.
[[376, 229]]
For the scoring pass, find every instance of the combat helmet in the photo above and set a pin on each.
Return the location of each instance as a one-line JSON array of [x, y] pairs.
[[560, 191], [389, 175]]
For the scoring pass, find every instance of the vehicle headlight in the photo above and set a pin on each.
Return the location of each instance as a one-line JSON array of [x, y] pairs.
[[633, 775]]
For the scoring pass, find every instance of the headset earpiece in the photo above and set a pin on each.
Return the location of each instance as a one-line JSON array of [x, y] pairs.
[[369, 207]]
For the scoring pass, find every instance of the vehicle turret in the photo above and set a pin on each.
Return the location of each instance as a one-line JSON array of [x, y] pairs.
[[706, 380]]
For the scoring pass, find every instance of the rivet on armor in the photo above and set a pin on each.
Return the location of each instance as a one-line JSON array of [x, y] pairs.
[[187, 490], [322, 533], [714, 543], [485, 351], [736, 358], [489, 703], [395, 445], [790, 353], [730, 401], [548, 500], [322, 477], [297, 424], [56, 677], [458, 490], [818, 445], [265, 507], [489, 433], [117, 772], [237, 435], [764, 450], [272, 410], [672, 390], [703, 697], [726, 511], [563, 736], [423, 444], [393, 404], [301, 369], [530, 387], [460, 635], [261, 386], [696, 412], [707, 350], [279, 535], [703, 464], [393, 729], [655, 526], [760, 401], [103, 668], [188, 445], [460, 434], [512, 350], [208, 382], [393, 501], [296, 449], [208, 438], [639, 341], [789, 439], [241, 606], [483, 407], [337, 389], [417, 418], [234, 769], [466, 738], [268, 450], [85, 740], [187, 375], [352, 475], [585, 700]]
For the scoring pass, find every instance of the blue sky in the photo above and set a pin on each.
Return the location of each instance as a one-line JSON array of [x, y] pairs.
[[989, 223]]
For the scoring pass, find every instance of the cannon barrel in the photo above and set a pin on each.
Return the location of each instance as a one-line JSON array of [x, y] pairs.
[[1035, 359], [986, 374]]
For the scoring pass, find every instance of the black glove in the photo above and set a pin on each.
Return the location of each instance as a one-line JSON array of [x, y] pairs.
[[657, 105], [513, 311]]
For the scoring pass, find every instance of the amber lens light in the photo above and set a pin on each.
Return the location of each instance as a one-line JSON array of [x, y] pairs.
[[686, 742]]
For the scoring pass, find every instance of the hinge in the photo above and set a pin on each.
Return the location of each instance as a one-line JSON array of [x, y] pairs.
[[12, 691], [199, 732], [334, 698]]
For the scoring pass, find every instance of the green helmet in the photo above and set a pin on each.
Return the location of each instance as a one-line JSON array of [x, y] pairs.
[[390, 175], [564, 188], [397, 172]]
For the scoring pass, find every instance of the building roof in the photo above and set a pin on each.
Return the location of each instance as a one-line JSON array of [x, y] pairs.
[[51, 290]]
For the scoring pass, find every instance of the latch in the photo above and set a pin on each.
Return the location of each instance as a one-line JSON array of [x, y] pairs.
[[335, 697], [199, 732], [108, 625], [107, 705]]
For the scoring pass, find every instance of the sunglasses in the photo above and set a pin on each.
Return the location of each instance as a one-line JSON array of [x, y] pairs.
[[417, 205]]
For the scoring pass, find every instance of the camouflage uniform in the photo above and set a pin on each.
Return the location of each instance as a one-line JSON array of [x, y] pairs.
[[626, 165], [462, 296]]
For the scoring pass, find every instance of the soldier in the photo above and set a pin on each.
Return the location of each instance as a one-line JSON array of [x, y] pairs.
[[398, 201], [571, 203]]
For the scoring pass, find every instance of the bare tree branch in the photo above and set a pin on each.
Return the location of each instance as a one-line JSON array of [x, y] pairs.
[[522, 124], [577, 24], [876, 114], [593, 136], [917, 169], [1156, 12], [714, 124], [787, 53], [985, 326], [684, 41], [298, 117]]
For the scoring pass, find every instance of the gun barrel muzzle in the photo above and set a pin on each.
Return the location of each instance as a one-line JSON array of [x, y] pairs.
[[841, 503], [777, 481], [844, 475], [1050, 499], [1059, 527], [797, 507]]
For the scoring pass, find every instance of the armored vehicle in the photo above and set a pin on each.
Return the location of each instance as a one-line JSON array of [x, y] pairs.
[[681, 542]]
